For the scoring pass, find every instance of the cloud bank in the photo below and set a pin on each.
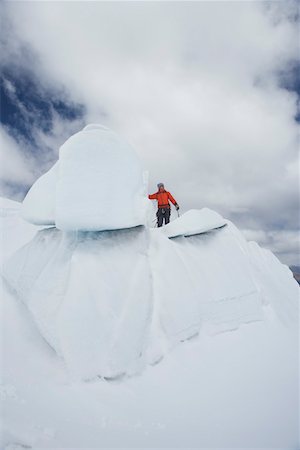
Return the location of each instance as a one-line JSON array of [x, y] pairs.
[[198, 88]]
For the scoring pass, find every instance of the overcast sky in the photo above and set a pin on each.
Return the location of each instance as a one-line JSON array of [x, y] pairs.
[[206, 92]]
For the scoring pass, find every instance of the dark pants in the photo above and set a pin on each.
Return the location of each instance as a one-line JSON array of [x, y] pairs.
[[163, 214]]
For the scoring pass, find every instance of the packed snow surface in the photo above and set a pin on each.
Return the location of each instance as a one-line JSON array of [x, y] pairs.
[[97, 184]]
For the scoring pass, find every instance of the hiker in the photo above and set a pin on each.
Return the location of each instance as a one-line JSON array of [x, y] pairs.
[[164, 208]]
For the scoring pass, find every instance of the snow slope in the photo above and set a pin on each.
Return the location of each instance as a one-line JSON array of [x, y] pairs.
[[235, 390], [119, 335], [112, 302], [226, 390], [14, 231]]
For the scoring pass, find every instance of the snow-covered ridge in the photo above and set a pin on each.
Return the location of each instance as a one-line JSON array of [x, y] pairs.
[[111, 295], [112, 302]]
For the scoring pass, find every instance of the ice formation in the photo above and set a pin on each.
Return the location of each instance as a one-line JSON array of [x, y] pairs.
[[194, 222], [111, 295], [97, 184]]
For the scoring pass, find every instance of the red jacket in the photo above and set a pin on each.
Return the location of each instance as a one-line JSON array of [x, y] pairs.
[[163, 199]]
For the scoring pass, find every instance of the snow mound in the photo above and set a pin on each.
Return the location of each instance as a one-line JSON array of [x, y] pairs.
[[38, 206], [97, 184], [194, 221], [111, 302]]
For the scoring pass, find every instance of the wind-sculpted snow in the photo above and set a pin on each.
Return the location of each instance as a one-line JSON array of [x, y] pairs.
[[97, 184], [112, 302], [38, 207], [276, 284], [90, 295], [210, 281], [194, 221], [111, 295], [104, 296]]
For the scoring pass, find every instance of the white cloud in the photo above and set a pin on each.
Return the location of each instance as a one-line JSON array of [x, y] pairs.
[[192, 85]]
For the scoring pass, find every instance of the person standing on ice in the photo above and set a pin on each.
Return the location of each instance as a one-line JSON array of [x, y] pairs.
[[164, 209]]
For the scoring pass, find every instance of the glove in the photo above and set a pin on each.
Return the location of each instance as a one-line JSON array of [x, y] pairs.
[[177, 207]]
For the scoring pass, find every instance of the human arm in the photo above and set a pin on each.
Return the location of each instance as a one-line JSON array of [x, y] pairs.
[[172, 199], [152, 196]]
